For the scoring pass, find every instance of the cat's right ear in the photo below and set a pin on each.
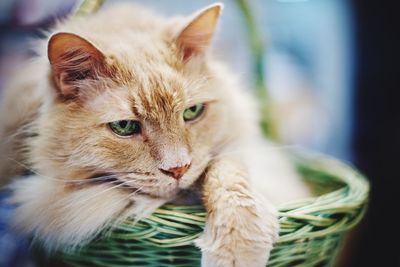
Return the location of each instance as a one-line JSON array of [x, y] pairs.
[[73, 59]]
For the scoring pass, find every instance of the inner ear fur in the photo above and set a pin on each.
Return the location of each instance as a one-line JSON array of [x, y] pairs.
[[73, 59], [196, 36]]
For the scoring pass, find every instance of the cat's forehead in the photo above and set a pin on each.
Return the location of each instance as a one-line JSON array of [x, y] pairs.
[[151, 82], [148, 90], [158, 90]]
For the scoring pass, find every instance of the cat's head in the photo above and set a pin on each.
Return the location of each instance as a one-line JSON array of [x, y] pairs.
[[143, 111]]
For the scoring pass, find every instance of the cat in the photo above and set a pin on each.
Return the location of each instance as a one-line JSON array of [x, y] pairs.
[[120, 112]]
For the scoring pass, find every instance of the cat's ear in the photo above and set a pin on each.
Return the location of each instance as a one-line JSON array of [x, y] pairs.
[[72, 60], [195, 38]]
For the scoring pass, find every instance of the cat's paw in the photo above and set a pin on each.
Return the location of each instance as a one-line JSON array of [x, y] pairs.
[[241, 234]]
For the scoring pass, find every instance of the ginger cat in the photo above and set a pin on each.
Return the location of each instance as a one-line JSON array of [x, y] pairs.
[[123, 110]]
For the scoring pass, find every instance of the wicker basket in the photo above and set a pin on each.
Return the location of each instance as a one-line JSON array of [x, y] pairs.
[[311, 230]]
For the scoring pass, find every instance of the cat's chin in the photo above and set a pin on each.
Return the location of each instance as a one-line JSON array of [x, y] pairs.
[[165, 192], [173, 191], [169, 194], [189, 196]]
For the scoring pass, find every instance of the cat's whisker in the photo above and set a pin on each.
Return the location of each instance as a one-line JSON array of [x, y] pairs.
[[60, 179], [26, 167], [22, 130], [100, 193], [138, 190], [143, 183], [140, 172], [219, 147], [102, 178], [125, 213]]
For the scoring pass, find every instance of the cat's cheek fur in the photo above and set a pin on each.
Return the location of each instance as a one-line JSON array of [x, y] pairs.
[[241, 225], [57, 216]]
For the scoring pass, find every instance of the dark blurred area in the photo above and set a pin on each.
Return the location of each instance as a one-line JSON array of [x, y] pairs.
[[376, 135], [333, 70]]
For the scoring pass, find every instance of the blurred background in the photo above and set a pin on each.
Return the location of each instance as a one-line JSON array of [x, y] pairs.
[[331, 68]]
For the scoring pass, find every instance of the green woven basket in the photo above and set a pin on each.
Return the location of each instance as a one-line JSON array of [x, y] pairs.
[[310, 235]]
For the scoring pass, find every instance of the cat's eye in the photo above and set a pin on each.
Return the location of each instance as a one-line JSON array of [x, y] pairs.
[[193, 112], [125, 128]]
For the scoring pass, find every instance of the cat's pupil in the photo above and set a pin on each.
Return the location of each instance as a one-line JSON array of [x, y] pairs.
[[123, 124], [193, 112]]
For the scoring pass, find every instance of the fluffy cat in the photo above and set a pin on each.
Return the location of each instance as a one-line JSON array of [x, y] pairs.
[[123, 110]]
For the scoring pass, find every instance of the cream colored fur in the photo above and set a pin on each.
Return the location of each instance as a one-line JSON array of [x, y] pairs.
[[64, 142]]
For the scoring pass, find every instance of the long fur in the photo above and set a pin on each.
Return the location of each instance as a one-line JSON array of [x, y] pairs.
[[85, 178]]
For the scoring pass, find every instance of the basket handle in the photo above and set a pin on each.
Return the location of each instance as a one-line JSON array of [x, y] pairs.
[[87, 7]]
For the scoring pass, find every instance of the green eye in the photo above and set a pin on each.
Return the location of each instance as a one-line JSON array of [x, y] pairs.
[[193, 112], [125, 127]]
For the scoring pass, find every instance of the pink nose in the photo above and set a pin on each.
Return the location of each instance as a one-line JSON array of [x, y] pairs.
[[176, 172]]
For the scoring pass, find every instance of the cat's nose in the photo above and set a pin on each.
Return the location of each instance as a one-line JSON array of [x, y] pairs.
[[176, 172]]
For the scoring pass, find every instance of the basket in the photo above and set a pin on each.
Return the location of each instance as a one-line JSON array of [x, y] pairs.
[[311, 230]]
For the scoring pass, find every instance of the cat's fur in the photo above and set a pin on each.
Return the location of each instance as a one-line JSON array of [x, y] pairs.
[[132, 64]]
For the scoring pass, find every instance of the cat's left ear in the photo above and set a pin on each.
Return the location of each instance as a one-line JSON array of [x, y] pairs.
[[195, 38]]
